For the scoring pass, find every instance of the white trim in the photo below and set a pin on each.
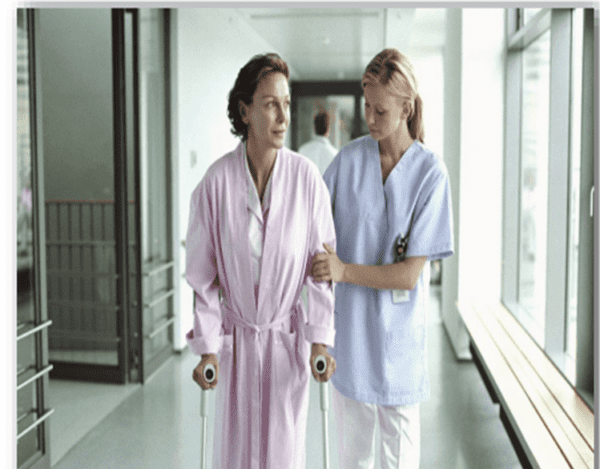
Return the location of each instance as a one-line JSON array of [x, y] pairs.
[[558, 181]]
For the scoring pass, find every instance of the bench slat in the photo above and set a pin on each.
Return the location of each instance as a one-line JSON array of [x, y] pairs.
[[558, 423], [574, 406], [533, 433]]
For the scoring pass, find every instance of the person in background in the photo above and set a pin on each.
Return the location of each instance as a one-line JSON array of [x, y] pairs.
[[319, 149], [257, 218], [390, 197]]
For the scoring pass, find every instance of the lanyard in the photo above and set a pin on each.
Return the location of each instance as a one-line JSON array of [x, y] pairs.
[[402, 241]]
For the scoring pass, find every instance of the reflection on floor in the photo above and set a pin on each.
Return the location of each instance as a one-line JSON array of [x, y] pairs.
[[78, 408], [157, 426]]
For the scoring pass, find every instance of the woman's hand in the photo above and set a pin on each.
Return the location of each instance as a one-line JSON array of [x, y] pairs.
[[327, 266], [321, 349], [209, 358]]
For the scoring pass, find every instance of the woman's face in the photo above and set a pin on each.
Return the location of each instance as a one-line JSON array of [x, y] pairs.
[[268, 116], [384, 111]]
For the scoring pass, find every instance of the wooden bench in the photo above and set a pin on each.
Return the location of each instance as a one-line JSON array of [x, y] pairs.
[[548, 423]]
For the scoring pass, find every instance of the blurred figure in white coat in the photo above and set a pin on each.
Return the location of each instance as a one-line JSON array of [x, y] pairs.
[[319, 149]]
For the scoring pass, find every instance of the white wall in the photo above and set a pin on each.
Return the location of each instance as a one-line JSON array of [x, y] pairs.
[[429, 69], [452, 139], [482, 124], [473, 149], [212, 45]]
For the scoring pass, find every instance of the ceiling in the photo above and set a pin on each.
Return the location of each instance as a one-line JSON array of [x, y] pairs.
[[333, 43]]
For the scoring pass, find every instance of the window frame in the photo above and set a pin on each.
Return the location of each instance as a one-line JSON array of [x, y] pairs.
[[518, 36]]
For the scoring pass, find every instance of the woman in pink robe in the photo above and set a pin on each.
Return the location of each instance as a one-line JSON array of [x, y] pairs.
[[247, 262]]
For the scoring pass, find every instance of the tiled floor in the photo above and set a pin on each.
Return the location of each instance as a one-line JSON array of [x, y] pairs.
[[158, 427]]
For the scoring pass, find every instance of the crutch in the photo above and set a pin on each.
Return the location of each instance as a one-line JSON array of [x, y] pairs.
[[321, 367], [209, 376]]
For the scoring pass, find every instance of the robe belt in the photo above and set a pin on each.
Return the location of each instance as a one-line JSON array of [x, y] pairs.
[[256, 328]]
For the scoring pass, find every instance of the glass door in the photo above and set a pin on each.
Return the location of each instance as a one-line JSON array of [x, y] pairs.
[[107, 200], [83, 210], [32, 313], [149, 181]]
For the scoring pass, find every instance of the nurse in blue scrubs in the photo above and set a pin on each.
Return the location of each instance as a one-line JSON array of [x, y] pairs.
[[385, 187]]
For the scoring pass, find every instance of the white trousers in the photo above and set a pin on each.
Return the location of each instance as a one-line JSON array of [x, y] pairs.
[[399, 427]]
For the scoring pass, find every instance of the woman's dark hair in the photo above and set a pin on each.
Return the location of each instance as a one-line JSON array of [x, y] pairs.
[[245, 85]]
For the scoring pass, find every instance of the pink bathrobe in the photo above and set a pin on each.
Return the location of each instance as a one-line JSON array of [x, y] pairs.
[[264, 351]]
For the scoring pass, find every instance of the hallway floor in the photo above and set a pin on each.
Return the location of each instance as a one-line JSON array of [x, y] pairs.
[[157, 426]]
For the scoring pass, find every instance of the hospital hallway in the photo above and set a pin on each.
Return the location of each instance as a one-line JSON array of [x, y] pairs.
[[130, 173], [158, 425]]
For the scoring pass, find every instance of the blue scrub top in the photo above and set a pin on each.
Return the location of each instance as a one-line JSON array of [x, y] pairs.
[[381, 346]]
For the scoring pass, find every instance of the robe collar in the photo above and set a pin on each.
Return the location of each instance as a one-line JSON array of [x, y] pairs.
[[253, 198], [272, 231]]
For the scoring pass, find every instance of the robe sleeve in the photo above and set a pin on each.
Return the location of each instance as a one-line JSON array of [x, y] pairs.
[[432, 232], [320, 325], [201, 274]]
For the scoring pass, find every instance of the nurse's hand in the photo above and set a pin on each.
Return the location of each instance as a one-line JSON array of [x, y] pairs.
[[209, 358], [327, 266], [321, 349]]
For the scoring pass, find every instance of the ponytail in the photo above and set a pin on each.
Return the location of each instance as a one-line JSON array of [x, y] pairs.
[[415, 122], [392, 68]]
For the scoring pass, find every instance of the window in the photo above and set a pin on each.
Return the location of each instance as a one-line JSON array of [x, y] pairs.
[[528, 13], [549, 158], [574, 196], [534, 183]]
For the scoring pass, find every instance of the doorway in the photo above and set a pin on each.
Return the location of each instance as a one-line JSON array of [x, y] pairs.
[[110, 266], [342, 99], [96, 294]]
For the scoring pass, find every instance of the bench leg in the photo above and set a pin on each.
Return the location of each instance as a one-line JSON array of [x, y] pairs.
[[521, 454], [484, 376]]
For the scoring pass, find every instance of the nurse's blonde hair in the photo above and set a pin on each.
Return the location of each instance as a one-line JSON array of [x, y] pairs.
[[393, 69]]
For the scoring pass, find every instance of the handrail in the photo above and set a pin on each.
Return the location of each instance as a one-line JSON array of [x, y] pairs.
[[160, 268], [46, 414], [39, 374], [159, 299], [166, 324], [34, 330]]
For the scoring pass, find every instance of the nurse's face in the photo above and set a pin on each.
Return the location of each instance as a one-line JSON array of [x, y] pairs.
[[268, 116], [384, 111]]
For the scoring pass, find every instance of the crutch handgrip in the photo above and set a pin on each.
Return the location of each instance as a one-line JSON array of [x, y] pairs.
[[321, 364], [321, 367], [209, 375]]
